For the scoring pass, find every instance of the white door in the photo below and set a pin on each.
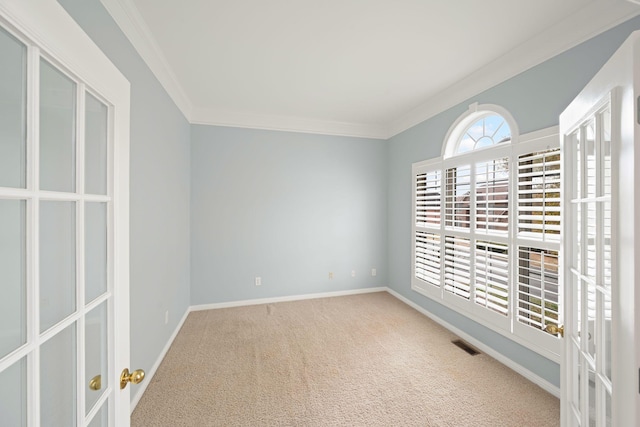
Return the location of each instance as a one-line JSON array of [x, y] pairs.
[[64, 126], [599, 366]]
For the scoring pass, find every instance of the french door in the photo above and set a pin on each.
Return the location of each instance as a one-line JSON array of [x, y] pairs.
[[600, 253], [64, 116]]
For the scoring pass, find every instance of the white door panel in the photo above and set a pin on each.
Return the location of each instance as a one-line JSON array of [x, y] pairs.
[[64, 261], [599, 250]]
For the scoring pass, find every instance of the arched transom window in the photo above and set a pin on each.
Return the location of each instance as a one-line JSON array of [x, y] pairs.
[[490, 129]]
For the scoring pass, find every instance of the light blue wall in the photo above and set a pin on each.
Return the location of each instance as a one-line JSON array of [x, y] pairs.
[[288, 207], [160, 165], [535, 98]]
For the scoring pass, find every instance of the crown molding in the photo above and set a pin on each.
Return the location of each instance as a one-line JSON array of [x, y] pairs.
[[203, 116], [598, 17], [128, 18]]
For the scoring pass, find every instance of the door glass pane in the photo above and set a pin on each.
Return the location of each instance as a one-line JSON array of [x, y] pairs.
[[607, 399], [58, 379], [592, 398], [607, 262], [591, 159], [96, 353], [96, 146], [577, 182], [102, 418], [96, 250], [591, 321], [577, 312], [12, 275], [57, 261], [13, 101], [575, 391], [606, 338], [13, 394], [57, 130], [591, 241]]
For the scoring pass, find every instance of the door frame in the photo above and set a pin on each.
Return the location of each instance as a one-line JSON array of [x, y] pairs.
[[47, 25], [617, 77]]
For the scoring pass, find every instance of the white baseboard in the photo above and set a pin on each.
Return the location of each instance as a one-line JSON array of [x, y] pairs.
[[246, 302], [149, 375], [534, 378]]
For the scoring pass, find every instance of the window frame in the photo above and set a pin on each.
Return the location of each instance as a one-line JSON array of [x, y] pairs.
[[508, 326]]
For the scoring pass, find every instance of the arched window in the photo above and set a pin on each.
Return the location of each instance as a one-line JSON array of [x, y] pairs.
[[486, 226], [482, 126]]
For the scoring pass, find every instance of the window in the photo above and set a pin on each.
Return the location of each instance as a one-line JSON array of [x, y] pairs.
[[487, 227]]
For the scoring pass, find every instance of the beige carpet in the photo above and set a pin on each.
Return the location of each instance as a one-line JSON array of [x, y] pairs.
[[364, 360]]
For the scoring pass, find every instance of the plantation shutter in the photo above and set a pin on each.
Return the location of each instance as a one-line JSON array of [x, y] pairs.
[[457, 266], [428, 201], [457, 211], [539, 195], [538, 238], [492, 276], [492, 196], [428, 198], [537, 287], [427, 262]]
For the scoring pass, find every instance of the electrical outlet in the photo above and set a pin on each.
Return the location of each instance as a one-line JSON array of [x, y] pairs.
[[353, 273], [373, 272], [166, 317], [258, 281], [331, 275]]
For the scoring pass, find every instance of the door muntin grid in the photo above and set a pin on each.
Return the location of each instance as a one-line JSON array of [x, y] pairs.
[[56, 213], [590, 266]]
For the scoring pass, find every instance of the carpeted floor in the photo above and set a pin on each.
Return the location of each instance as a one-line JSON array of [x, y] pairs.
[[363, 360]]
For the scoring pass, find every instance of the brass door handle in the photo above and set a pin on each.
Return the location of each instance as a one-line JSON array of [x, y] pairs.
[[134, 377], [96, 383], [555, 330]]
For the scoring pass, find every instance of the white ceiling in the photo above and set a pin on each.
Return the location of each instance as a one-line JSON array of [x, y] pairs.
[[354, 67]]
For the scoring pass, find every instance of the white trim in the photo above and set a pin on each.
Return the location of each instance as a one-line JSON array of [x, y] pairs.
[[202, 116], [149, 375], [243, 303], [531, 376], [128, 18], [596, 18]]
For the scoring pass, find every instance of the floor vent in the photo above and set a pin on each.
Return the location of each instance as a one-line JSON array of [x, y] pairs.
[[466, 347]]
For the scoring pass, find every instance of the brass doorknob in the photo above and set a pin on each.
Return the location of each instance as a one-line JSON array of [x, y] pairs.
[[134, 377], [95, 383], [555, 330]]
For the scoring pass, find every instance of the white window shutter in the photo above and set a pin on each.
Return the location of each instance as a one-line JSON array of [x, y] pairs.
[[457, 266], [492, 276], [539, 195], [427, 262]]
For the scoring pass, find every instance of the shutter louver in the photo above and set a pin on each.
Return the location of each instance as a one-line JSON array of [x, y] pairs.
[[539, 195], [537, 287], [492, 196], [458, 197], [428, 196], [427, 262], [492, 276], [457, 266]]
